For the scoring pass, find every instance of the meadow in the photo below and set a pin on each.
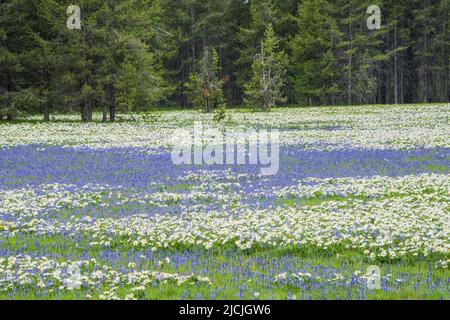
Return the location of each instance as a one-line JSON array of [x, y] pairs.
[[99, 211]]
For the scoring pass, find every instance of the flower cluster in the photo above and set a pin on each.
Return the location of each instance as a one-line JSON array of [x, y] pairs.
[[99, 211]]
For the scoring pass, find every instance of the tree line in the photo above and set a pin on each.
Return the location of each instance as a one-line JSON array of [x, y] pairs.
[[132, 55]]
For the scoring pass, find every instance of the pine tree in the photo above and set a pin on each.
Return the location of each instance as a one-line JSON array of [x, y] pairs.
[[42, 60], [113, 61], [205, 86], [360, 52], [393, 72], [265, 90], [133, 54], [259, 15], [314, 54], [26, 57]]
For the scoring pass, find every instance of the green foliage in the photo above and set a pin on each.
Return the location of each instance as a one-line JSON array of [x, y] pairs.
[[205, 86], [19, 103], [314, 53], [221, 114], [265, 90], [136, 54], [111, 62]]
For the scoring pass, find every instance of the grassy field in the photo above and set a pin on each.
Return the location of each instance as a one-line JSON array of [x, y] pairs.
[[100, 211]]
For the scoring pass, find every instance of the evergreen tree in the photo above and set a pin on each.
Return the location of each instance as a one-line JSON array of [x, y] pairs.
[[265, 90], [205, 86], [27, 57], [259, 14], [111, 61], [314, 54], [133, 54], [360, 53]]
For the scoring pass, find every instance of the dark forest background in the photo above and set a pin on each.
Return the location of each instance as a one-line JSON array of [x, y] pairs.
[[132, 55]]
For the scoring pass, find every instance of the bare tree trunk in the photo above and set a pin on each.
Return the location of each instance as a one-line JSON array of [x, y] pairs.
[[388, 78], [193, 39], [89, 111], [9, 117], [105, 113], [83, 112], [46, 110], [208, 105], [426, 69], [350, 62], [112, 104], [112, 113], [447, 65], [86, 110], [395, 66], [402, 68]]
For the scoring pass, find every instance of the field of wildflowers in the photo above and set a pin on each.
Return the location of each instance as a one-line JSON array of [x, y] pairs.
[[99, 211]]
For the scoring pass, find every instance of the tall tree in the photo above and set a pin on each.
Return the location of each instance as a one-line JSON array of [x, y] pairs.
[[26, 56], [265, 90], [111, 61], [314, 54], [132, 54], [205, 86]]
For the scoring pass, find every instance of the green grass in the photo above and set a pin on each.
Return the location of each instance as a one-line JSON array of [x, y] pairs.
[[251, 272]]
